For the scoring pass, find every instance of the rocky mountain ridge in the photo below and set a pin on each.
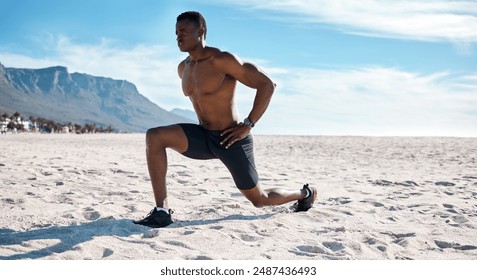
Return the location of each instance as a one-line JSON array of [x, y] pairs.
[[56, 94]]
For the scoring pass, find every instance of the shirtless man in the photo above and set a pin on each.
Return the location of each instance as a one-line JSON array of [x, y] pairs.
[[209, 77]]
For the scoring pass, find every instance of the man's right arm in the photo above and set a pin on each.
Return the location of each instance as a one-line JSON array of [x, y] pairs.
[[180, 68]]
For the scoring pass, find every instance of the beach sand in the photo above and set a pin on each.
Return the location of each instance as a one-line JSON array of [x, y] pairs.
[[74, 196]]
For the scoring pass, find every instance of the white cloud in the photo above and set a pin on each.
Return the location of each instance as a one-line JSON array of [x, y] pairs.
[[374, 101], [427, 20]]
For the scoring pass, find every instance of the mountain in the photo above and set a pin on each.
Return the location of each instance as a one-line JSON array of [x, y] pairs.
[[54, 93]]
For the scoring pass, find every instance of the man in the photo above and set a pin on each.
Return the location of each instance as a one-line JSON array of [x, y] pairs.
[[209, 77]]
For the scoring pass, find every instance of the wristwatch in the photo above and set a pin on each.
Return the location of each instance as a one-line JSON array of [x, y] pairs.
[[248, 122]]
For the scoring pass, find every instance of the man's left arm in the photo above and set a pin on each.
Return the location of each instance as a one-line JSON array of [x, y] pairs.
[[249, 75]]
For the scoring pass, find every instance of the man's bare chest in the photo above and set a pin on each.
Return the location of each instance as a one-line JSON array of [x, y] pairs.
[[201, 79]]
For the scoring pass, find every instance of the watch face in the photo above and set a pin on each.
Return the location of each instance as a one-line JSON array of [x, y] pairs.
[[247, 122]]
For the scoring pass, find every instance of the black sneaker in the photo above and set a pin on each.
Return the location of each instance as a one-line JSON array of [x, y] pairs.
[[305, 204], [156, 219]]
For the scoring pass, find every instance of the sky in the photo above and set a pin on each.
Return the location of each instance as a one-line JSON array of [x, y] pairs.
[[342, 67]]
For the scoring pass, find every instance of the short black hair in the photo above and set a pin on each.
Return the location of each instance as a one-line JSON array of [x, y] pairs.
[[196, 18]]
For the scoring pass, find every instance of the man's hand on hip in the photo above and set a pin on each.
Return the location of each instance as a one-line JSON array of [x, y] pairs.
[[234, 134]]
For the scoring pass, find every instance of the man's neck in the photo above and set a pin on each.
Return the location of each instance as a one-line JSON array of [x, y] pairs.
[[199, 54]]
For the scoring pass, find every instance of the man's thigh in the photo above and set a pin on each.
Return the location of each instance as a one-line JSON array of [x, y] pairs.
[[239, 160], [171, 136], [197, 142]]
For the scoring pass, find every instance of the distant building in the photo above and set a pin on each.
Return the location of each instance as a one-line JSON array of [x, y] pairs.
[[4, 125], [26, 125]]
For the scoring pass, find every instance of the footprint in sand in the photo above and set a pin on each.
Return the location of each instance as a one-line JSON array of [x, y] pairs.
[[249, 238], [386, 183], [407, 184], [13, 201], [107, 252], [231, 206], [31, 194], [131, 208], [374, 203], [401, 238], [370, 240], [334, 246], [199, 258], [91, 215], [373, 241], [339, 200], [378, 204], [307, 249], [178, 244], [460, 219], [444, 184], [453, 245], [184, 174], [151, 233], [383, 183], [382, 248]]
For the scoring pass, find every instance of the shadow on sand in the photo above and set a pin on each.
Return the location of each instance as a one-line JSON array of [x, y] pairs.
[[73, 235], [181, 224], [68, 236]]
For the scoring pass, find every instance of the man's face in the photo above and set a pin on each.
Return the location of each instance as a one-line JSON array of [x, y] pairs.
[[188, 35]]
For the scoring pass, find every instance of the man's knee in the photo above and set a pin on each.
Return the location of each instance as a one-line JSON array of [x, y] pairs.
[[255, 195], [257, 203], [166, 137], [153, 137]]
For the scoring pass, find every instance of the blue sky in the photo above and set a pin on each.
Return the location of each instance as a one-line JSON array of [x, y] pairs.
[[390, 67]]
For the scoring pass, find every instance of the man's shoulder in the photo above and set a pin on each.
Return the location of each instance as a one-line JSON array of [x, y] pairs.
[[222, 56], [218, 53], [181, 65]]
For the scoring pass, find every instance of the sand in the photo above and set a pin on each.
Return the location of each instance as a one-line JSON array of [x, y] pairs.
[[74, 196]]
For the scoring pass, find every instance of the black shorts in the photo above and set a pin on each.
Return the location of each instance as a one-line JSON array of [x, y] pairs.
[[238, 158]]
